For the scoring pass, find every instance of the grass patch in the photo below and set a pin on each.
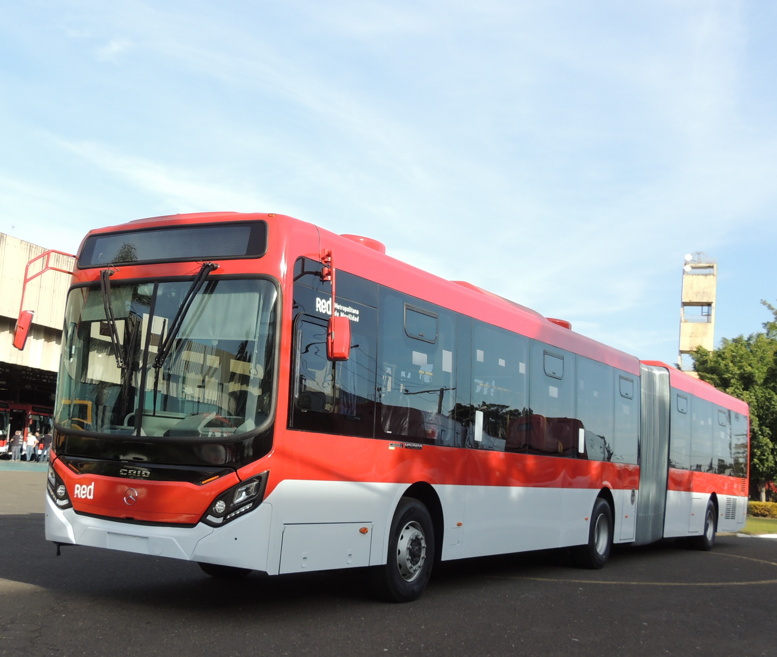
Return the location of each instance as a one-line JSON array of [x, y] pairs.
[[760, 526]]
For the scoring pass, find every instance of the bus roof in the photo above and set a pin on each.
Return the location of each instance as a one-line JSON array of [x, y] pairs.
[[693, 386], [370, 262]]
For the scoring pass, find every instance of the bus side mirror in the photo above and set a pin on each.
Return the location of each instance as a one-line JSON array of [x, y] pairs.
[[338, 338], [22, 329]]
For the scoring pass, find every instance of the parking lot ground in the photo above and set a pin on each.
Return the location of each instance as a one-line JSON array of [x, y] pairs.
[[6, 465], [662, 599]]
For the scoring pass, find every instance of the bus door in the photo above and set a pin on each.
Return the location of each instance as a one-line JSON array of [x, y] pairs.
[[18, 421], [654, 454], [4, 420], [40, 424]]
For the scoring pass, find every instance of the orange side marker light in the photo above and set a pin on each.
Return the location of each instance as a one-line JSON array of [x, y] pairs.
[[363, 530]]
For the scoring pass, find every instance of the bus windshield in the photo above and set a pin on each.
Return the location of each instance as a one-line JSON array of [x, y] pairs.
[[217, 379]]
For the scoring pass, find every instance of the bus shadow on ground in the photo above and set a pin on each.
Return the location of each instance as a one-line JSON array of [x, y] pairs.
[[154, 581]]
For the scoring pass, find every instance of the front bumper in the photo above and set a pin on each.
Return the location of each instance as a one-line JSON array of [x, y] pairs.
[[243, 543]]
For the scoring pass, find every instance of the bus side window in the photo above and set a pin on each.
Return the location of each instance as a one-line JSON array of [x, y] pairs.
[[500, 387], [724, 459], [314, 390], [594, 409], [701, 435], [551, 423], [417, 371], [327, 397], [680, 433], [739, 444], [627, 408]]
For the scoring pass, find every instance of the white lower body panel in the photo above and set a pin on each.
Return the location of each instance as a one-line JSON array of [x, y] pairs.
[[319, 525], [685, 513], [478, 520], [242, 543]]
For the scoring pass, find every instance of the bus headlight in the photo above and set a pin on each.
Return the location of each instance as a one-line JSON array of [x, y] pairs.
[[57, 489], [245, 492], [237, 501]]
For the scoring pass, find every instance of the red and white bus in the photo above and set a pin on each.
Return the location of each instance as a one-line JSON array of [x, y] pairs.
[[216, 404], [27, 418], [4, 428]]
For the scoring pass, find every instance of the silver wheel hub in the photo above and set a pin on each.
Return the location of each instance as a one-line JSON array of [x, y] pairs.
[[601, 534], [710, 528], [411, 551]]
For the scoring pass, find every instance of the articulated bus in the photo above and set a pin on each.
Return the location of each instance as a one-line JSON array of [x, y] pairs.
[[27, 418], [252, 392]]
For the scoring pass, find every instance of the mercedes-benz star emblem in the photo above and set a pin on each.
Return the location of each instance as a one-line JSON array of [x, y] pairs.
[[131, 496]]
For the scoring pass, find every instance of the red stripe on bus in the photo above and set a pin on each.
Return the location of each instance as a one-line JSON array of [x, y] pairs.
[[706, 482], [156, 501]]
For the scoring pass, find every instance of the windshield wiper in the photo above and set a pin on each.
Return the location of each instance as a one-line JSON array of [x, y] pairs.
[[105, 288], [175, 325]]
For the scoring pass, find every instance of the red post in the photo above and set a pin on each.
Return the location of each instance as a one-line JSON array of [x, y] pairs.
[[46, 267], [24, 323]]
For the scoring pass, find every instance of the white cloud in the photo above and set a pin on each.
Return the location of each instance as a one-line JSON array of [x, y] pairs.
[[111, 51], [180, 189]]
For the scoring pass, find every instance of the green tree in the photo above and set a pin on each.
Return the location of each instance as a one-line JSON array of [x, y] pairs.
[[126, 253], [746, 367]]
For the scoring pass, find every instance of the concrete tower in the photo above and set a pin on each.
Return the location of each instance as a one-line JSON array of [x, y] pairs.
[[697, 306]]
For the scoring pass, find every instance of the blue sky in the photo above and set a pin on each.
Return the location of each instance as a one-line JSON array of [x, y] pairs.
[[562, 154]]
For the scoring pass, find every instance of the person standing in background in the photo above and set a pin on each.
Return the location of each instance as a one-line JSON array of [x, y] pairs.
[[47, 440], [15, 442], [29, 445]]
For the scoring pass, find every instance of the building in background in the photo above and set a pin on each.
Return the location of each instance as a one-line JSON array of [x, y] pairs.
[[697, 307], [30, 376]]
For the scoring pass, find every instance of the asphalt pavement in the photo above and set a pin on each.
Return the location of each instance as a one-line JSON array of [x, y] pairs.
[[663, 599]]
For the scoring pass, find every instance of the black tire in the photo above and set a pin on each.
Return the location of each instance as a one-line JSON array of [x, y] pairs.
[[410, 554], [223, 572], [707, 539], [596, 552]]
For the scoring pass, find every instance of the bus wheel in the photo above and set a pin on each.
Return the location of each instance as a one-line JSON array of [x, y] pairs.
[[223, 572], [410, 554], [596, 552], [707, 539]]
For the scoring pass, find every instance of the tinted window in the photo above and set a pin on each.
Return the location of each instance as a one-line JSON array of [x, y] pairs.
[[680, 434], [594, 408], [332, 397], [701, 435], [420, 324], [499, 387], [314, 373], [416, 378], [626, 423], [724, 460], [234, 240], [463, 410], [551, 423], [626, 387], [307, 272], [739, 444], [554, 365]]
